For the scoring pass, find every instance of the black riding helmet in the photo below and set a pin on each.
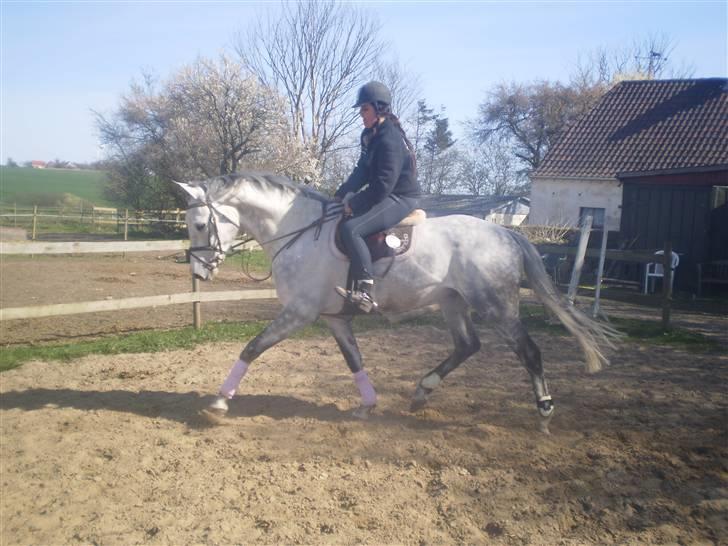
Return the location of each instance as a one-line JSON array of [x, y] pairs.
[[375, 93]]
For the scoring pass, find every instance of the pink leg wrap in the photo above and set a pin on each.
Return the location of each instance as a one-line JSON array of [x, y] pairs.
[[237, 372], [368, 395]]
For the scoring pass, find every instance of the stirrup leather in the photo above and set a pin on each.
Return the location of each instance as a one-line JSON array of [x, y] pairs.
[[359, 298]]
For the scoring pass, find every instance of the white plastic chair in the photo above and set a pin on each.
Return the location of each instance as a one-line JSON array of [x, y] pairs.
[[654, 270]]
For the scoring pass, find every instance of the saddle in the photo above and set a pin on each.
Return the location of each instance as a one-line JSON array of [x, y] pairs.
[[394, 241]]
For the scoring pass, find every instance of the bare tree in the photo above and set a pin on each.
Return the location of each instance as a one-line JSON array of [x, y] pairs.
[[530, 117], [489, 168], [649, 58], [315, 54], [405, 87]]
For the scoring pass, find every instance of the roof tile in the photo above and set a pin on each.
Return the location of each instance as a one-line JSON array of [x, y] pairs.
[[642, 126]]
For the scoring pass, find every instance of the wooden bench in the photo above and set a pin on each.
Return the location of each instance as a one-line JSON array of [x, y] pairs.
[[712, 273]]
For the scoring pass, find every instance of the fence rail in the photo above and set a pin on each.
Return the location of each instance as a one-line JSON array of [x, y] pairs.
[[195, 297], [38, 311], [634, 256], [123, 219], [36, 248]]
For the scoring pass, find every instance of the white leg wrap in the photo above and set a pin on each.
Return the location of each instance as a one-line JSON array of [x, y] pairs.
[[431, 381], [366, 389], [237, 372]]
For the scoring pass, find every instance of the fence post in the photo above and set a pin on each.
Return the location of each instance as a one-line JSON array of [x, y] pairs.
[[196, 313], [35, 222], [15, 215], [579, 259], [600, 271], [126, 224], [666, 285]]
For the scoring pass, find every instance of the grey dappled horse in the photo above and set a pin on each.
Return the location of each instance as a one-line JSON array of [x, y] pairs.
[[457, 262]]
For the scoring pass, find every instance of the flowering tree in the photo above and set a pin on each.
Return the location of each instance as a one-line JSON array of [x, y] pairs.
[[209, 118]]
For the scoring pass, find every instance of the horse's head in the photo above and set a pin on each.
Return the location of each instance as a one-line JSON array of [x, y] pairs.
[[212, 227]]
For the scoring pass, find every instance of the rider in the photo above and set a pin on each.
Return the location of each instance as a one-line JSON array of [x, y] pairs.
[[387, 172]]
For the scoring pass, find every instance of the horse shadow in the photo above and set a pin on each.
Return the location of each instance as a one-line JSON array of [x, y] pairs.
[[185, 407]]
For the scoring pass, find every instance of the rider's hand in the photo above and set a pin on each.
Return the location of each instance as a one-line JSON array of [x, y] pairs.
[[347, 210]]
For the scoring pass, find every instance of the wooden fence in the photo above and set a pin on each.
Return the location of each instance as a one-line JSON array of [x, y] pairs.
[[33, 217], [633, 256], [195, 297]]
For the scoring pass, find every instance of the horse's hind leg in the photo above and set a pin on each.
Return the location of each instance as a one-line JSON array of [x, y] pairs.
[[344, 336], [457, 315], [529, 354]]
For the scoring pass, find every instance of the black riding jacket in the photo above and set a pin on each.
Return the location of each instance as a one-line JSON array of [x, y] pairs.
[[385, 166]]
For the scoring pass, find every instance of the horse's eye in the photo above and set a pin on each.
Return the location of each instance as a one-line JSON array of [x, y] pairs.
[[200, 227]]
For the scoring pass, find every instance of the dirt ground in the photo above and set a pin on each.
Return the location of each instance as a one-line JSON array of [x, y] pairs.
[[110, 450]]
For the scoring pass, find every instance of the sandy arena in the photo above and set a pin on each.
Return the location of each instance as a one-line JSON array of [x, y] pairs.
[[109, 450]]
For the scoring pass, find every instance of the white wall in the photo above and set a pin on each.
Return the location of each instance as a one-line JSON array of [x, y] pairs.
[[506, 219], [557, 201]]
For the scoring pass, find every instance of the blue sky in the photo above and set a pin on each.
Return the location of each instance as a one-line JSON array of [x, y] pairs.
[[60, 60]]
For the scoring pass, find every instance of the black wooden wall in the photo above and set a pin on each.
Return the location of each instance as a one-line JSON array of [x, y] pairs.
[[653, 214]]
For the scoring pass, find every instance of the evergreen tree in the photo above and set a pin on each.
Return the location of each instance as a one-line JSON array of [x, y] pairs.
[[440, 158]]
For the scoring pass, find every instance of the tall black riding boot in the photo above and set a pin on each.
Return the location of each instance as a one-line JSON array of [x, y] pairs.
[[361, 295]]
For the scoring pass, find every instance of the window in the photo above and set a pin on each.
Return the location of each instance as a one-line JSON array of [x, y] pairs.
[[597, 215], [718, 196]]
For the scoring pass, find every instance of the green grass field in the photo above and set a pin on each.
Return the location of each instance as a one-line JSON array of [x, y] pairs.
[[45, 187]]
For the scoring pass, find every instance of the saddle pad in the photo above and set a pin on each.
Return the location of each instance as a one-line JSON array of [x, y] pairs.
[[378, 248]]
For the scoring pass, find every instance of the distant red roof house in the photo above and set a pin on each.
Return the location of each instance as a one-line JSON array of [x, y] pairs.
[[36, 164]]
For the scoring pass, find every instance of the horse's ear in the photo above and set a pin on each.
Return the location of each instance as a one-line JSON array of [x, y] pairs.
[[196, 192]]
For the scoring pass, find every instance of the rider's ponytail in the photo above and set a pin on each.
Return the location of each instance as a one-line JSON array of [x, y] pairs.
[[384, 111]]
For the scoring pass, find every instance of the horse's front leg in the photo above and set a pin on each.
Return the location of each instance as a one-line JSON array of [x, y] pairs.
[[285, 324], [344, 336]]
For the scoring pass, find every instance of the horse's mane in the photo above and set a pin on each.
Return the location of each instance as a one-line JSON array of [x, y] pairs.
[[223, 184]]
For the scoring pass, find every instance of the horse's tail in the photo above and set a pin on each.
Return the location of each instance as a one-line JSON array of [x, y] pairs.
[[589, 333]]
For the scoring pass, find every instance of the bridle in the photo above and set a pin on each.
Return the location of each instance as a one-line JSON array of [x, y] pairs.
[[330, 211], [212, 224]]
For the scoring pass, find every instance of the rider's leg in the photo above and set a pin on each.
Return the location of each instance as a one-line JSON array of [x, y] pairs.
[[353, 231]]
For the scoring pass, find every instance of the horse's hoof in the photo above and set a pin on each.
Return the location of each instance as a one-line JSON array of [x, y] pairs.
[[216, 411], [212, 417], [417, 404], [419, 400], [363, 412], [543, 424]]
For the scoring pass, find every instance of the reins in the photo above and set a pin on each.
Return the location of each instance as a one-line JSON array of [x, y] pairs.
[[329, 211]]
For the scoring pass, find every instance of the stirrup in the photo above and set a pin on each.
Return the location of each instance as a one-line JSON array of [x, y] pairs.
[[359, 298]]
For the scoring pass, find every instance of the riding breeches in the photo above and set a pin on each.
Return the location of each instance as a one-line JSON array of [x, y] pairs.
[[381, 216]]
